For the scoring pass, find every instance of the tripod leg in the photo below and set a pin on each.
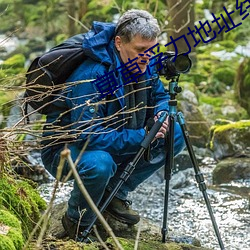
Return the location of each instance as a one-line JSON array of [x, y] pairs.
[[199, 176], [129, 169], [168, 173]]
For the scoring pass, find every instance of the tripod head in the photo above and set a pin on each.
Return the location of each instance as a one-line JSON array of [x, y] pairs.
[[172, 66], [174, 89]]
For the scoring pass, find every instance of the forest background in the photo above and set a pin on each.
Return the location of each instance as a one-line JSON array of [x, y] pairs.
[[216, 74], [220, 75]]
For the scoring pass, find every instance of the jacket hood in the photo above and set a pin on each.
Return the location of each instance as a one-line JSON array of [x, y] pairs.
[[98, 42]]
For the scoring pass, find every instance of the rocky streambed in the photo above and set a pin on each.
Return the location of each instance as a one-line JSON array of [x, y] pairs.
[[188, 215]]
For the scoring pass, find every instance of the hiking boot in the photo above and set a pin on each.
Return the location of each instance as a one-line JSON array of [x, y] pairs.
[[75, 231], [121, 211]]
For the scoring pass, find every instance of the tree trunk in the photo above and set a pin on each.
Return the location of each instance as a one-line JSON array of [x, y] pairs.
[[182, 16], [72, 13], [83, 7]]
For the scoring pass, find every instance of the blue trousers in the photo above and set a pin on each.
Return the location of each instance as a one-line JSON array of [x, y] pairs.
[[100, 170]]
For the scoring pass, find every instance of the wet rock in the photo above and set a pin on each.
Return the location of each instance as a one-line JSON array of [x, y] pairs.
[[197, 125], [190, 96], [31, 167], [35, 173], [231, 169], [15, 114], [181, 179], [227, 110]]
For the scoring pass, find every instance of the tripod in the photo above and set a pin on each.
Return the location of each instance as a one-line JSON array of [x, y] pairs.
[[173, 90], [169, 163]]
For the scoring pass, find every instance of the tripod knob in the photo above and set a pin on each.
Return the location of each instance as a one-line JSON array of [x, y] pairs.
[[177, 89]]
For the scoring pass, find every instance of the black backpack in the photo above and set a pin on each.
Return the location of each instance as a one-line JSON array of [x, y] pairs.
[[47, 74]]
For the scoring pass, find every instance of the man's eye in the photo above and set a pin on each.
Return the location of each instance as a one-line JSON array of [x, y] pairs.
[[140, 50]]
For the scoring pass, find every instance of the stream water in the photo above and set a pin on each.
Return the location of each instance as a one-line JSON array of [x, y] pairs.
[[187, 212]]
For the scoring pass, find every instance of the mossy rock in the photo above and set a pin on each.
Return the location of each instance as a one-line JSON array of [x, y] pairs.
[[232, 139], [225, 75], [128, 244], [5, 99], [222, 122], [13, 70], [11, 237], [229, 45], [16, 61], [217, 73], [22, 200], [222, 106]]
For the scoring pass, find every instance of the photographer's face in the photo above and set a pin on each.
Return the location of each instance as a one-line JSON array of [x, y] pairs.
[[131, 50]]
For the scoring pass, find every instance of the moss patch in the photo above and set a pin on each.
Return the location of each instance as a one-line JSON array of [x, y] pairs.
[[6, 243], [239, 127], [22, 200], [219, 103], [10, 231], [235, 125], [145, 244], [127, 244]]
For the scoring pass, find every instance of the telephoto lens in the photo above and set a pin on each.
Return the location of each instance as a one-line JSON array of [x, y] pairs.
[[174, 65]]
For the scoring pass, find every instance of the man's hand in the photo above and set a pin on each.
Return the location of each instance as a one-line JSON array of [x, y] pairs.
[[164, 128]]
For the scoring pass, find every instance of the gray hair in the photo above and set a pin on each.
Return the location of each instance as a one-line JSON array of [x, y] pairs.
[[137, 22]]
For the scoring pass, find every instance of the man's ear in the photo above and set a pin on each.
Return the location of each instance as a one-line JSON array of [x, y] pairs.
[[118, 43]]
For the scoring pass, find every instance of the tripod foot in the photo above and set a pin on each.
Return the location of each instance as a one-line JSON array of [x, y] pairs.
[[164, 232]]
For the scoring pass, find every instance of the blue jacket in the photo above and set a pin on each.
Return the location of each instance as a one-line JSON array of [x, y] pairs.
[[92, 117]]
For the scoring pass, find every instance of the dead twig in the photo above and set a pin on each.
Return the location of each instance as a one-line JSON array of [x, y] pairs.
[[138, 236], [67, 155], [99, 238]]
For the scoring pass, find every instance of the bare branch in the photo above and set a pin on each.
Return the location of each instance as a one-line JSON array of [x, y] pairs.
[[176, 15], [99, 238], [138, 236], [66, 154], [184, 6], [182, 27], [79, 22]]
